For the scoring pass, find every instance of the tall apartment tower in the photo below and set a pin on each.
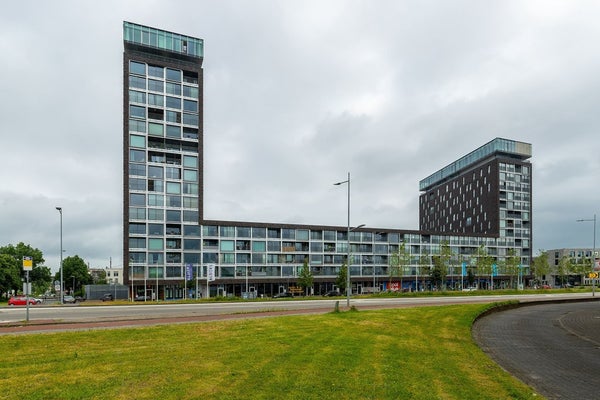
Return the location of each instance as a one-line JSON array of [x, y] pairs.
[[485, 193], [162, 150]]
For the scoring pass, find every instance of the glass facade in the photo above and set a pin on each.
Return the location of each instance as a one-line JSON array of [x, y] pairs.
[[166, 237]]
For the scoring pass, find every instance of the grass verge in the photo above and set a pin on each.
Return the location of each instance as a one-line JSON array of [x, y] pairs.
[[414, 353]]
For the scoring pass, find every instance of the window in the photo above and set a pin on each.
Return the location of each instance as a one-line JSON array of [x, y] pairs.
[[156, 100], [191, 216], [156, 86], [155, 214], [173, 173], [173, 216], [173, 201], [190, 105], [155, 129], [156, 229], [190, 202], [173, 88], [174, 75], [173, 187], [190, 119], [137, 229], [155, 171], [155, 71], [259, 232], [190, 161], [191, 230], [189, 91], [157, 200], [173, 102], [137, 213], [173, 131], [137, 111], [227, 245], [190, 188], [137, 125], [137, 169], [137, 68], [137, 184], [137, 141], [137, 155], [173, 116], [137, 82], [242, 231], [156, 185], [190, 175], [227, 231], [137, 97], [190, 133], [137, 199], [137, 257], [191, 244], [156, 113], [137, 243]]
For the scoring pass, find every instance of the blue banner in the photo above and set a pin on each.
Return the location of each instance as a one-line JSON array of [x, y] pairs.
[[188, 272]]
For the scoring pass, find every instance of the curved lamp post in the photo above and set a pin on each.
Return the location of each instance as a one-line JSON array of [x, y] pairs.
[[348, 284]]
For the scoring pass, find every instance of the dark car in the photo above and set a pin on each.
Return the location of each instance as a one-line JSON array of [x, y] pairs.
[[282, 295], [332, 293], [107, 297]]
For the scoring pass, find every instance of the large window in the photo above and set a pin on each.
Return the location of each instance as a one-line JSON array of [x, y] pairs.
[[190, 161], [137, 82], [137, 155], [155, 171], [174, 75], [137, 68], [137, 141], [190, 91], [155, 71], [137, 97], [173, 88], [155, 214], [137, 199], [137, 111], [173, 102], [156, 86], [156, 100]]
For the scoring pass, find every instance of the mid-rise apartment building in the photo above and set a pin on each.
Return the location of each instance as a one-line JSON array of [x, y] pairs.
[[169, 248]]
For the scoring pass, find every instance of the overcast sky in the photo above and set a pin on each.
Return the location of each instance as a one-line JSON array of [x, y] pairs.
[[296, 95]]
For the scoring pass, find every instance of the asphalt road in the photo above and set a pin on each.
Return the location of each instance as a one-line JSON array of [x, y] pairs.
[[553, 347]]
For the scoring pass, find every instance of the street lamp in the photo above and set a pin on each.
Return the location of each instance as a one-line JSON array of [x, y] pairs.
[[348, 287], [61, 257], [593, 252]]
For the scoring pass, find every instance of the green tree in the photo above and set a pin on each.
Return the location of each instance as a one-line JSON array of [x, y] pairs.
[[399, 261], [540, 266], [424, 262], [341, 278], [305, 278], [10, 274], [40, 276], [484, 262], [564, 269], [511, 265], [75, 272]]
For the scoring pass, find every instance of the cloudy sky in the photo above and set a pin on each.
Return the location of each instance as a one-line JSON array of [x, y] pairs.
[[297, 94]]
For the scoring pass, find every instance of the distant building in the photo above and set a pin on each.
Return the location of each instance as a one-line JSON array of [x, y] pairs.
[[114, 275], [579, 259], [482, 199]]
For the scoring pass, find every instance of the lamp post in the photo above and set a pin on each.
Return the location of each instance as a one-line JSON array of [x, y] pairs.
[[62, 299], [593, 251], [348, 287]]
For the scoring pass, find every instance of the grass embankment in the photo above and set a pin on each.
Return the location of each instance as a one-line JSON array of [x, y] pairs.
[[415, 353]]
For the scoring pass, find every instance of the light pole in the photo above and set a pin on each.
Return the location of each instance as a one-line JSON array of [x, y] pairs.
[[593, 252], [348, 287], [62, 299]]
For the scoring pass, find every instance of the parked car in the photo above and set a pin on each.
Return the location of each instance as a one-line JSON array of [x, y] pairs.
[[20, 301], [69, 299], [142, 298], [283, 294], [107, 297], [332, 293]]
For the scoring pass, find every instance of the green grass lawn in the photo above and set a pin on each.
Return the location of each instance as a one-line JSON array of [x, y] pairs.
[[413, 353]]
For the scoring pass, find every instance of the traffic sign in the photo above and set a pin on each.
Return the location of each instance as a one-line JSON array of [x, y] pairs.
[[593, 275]]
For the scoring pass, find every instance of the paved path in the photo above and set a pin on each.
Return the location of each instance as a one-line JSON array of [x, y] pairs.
[[553, 347]]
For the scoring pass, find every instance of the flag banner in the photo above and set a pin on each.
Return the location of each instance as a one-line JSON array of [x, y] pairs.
[[210, 272]]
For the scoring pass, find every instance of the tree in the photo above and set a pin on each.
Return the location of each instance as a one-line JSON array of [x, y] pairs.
[[511, 265], [484, 263], [540, 266], [305, 278], [398, 263], [564, 269], [424, 262], [10, 274], [40, 276], [75, 272], [340, 281]]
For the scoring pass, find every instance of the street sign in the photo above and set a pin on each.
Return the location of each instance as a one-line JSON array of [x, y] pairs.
[[27, 263], [593, 275]]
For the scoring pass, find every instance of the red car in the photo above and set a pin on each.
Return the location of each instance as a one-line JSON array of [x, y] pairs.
[[20, 301]]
